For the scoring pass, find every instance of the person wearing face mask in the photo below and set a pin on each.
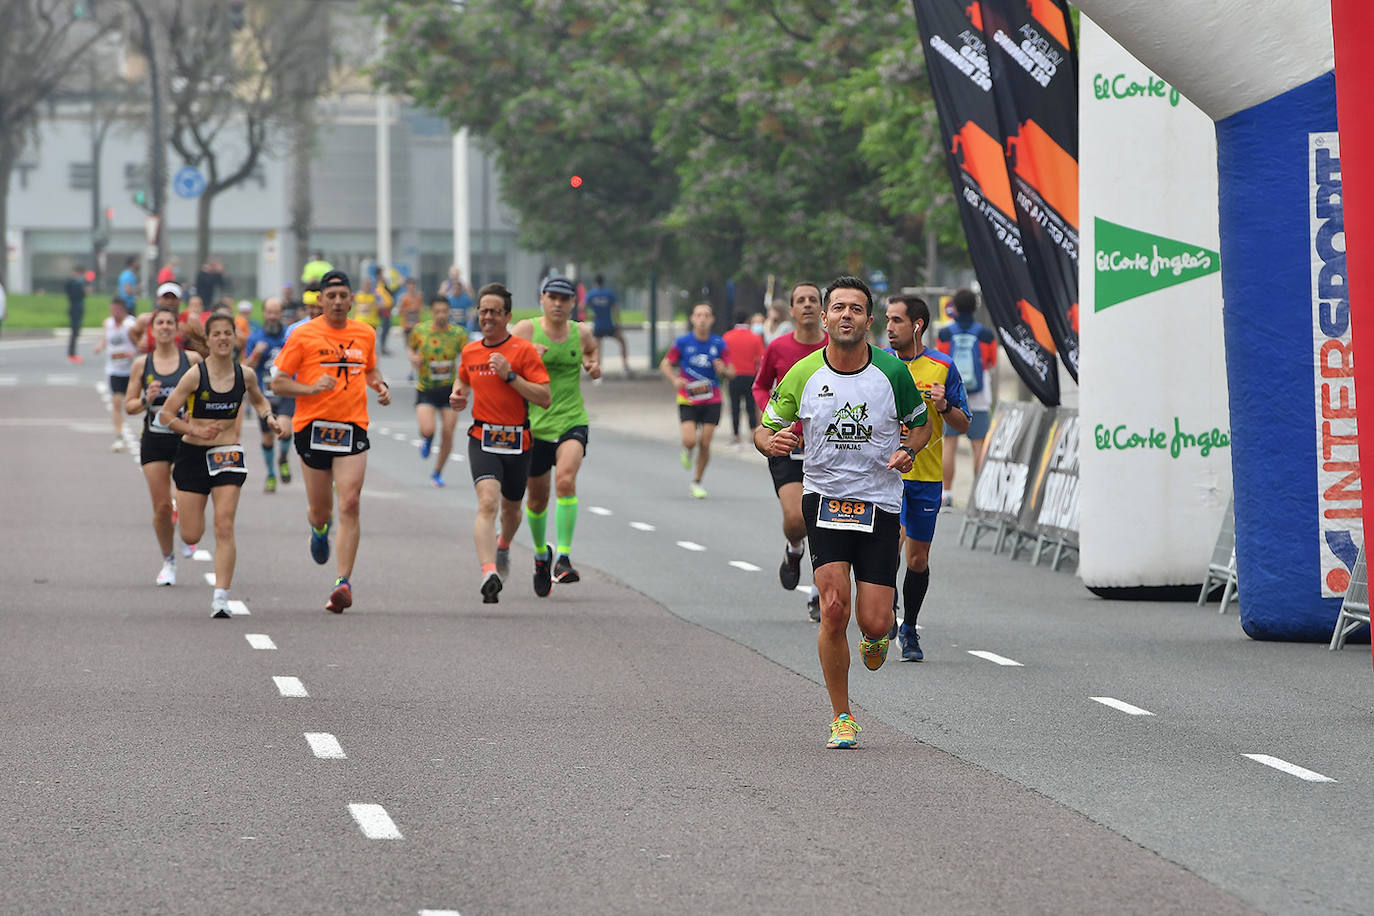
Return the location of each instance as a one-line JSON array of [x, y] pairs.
[[264, 343]]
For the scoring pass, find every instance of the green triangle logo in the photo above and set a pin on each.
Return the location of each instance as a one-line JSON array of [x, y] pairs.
[[1131, 263]]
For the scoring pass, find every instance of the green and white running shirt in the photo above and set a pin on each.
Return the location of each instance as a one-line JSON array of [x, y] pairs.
[[850, 424]]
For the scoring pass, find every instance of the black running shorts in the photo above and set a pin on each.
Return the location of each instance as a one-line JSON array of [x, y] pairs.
[[322, 460], [512, 471], [157, 447], [544, 454], [871, 555], [434, 397], [785, 469], [191, 472], [701, 414]]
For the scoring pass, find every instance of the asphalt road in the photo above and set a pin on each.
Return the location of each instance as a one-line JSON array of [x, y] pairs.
[[649, 740]]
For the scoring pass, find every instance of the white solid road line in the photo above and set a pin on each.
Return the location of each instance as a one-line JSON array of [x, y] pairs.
[[375, 823], [690, 545], [1121, 705], [741, 564], [1292, 769], [440, 913], [289, 686], [642, 526], [259, 640], [599, 510], [325, 746], [998, 659], [237, 609], [210, 579], [202, 555]]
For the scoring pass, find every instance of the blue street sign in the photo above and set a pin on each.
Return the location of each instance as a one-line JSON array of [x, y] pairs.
[[189, 182], [877, 281]]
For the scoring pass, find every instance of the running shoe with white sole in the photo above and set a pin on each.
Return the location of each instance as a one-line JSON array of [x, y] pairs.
[[219, 608], [911, 644], [117, 445], [543, 577], [491, 588], [698, 491], [168, 576], [789, 573], [563, 572], [341, 597], [844, 732], [874, 652]]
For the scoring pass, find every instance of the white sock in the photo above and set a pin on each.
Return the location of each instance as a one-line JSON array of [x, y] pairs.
[[794, 549], [222, 593], [815, 592]]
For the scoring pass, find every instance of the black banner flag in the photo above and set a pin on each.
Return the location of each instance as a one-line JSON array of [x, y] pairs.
[[961, 82], [1035, 85]]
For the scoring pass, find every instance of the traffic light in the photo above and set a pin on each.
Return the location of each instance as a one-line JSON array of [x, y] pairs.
[[109, 215], [575, 181], [141, 201]]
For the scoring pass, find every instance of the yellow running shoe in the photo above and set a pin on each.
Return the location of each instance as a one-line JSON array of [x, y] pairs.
[[844, 732], [874, 652]]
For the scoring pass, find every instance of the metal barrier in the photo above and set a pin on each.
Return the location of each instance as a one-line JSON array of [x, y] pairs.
[[1222, 568], [1355, 608]]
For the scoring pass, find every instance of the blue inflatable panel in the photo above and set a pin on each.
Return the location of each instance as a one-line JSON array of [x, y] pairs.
[[1266, 244]]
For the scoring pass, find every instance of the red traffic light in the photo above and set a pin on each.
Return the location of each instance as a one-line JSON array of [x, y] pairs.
[[109, 214], [575, 181]]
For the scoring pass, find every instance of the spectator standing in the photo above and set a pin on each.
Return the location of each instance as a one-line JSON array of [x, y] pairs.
[[973, 348], [76, 289], [127, 284]]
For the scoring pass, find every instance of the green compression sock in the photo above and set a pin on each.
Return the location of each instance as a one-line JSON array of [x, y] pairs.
[[538, 529], [566, 522]]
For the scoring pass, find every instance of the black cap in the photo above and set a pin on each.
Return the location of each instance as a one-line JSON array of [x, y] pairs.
[[335, 278], [558, 286]]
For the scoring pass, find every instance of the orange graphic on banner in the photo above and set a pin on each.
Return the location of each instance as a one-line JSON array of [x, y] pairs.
[[1047, 167], [1035, 320], [974, 12], [1073, 317], [1051, 19], [980, 155]]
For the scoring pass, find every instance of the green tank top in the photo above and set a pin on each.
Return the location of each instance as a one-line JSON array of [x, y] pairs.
[[564, 362]]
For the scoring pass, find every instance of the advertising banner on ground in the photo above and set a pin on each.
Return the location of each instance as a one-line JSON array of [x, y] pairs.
[[999, 491], [961, 83], [1155, 447], [1052, 500], [1035, 85]]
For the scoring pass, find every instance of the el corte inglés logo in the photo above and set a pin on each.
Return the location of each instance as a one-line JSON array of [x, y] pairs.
[[1131, 263]]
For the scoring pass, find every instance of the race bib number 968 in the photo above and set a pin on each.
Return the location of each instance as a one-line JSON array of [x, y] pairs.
[[846, 514]]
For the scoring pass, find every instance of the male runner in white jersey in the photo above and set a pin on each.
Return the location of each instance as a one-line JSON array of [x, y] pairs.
[[853, 401]]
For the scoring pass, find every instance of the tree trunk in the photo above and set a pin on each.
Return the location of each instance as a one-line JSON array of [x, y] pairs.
[[9, 153], [203, 203], [302, 214]]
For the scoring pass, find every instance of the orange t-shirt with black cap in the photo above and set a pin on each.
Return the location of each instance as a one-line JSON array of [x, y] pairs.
[[494, 401], [347, 353]]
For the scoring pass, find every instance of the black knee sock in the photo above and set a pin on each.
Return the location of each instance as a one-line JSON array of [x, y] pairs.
[[914, 593]]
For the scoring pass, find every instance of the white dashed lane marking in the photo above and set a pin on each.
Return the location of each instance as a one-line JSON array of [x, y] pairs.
[[1121, 706], [642, 526], [995, 658], [60, 378], [374, 822], [9, 381], [439, 913], [691, 545], [325, 746], [259, 640], [203, 555], [210, 579], [289, 686], [237, 609], [741, 564], [1292, 769], [599, 510]]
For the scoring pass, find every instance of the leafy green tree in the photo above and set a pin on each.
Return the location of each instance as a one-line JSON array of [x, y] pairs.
[[714, 139]]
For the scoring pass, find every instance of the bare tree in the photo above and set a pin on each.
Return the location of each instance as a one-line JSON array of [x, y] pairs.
[[40, 41], [229, 65]]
